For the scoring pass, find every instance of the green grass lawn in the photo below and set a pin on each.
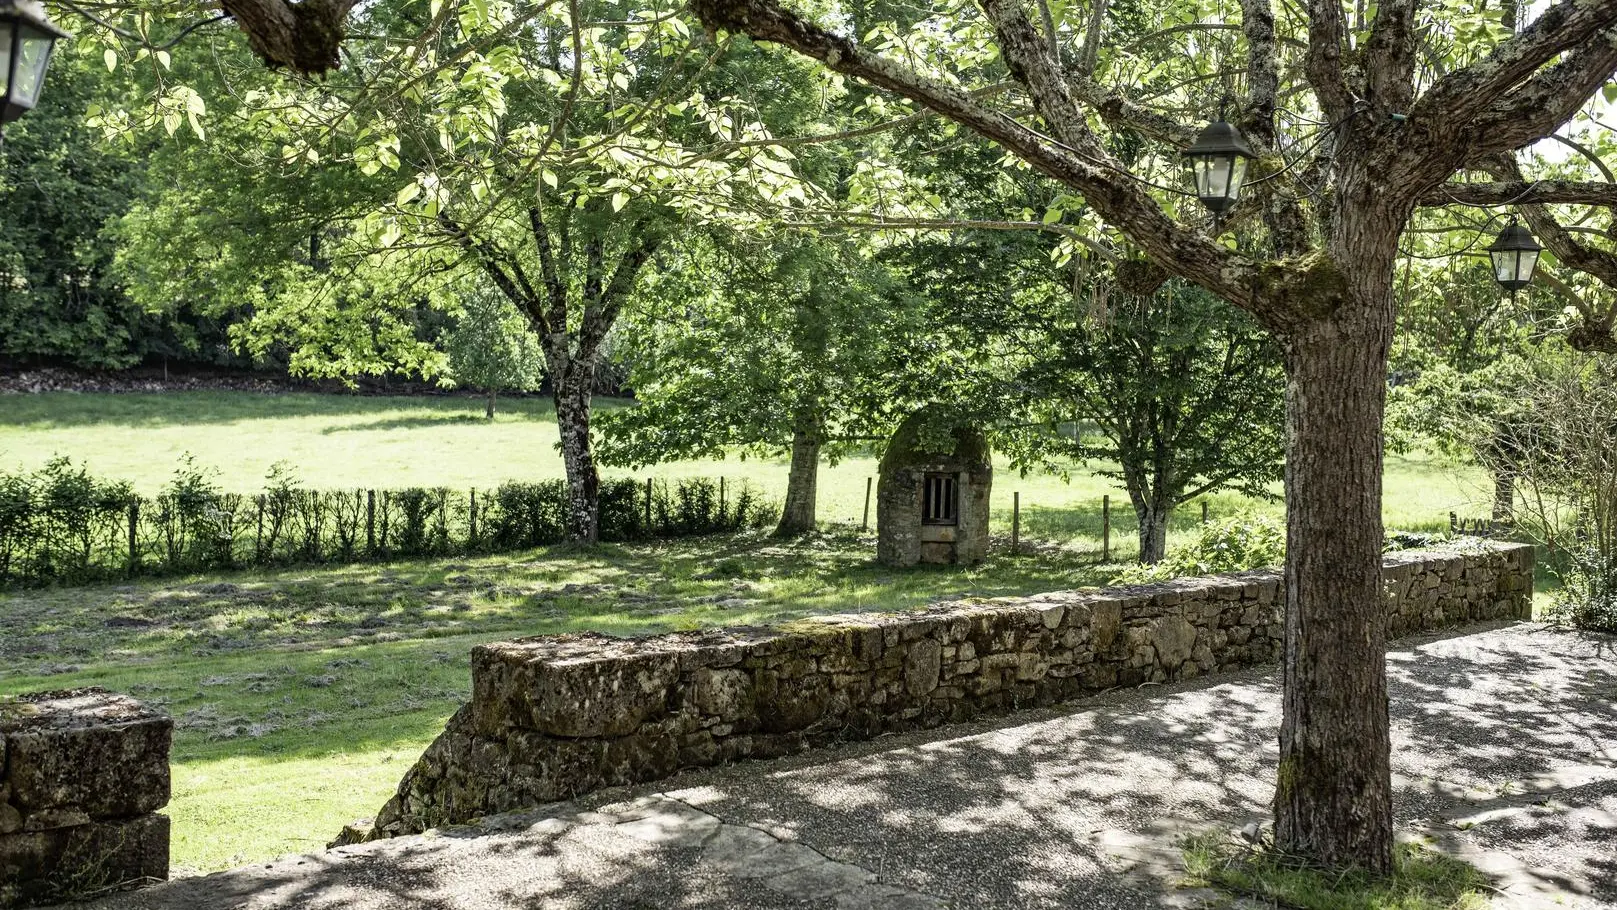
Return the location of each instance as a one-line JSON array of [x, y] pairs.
[[302, 695]]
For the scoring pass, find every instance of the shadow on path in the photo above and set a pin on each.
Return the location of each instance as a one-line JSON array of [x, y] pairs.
[[1505, 743]]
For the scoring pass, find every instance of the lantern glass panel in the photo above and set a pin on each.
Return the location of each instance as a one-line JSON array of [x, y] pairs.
[[1504, 266], [33, 54], [7, 29], [1514, 268], [1218, 178]]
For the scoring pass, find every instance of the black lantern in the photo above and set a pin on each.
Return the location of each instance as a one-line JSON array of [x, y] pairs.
[[26, 39], [1515, 256], [1218, 161]]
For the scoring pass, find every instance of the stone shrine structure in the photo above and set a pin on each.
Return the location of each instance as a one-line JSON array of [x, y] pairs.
[[933, 507]]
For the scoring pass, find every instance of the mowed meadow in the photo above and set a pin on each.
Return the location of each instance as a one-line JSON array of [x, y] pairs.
[[302, 694], [352, 441]]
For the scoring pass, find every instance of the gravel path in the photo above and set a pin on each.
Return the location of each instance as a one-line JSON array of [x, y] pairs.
[[1505, 750]]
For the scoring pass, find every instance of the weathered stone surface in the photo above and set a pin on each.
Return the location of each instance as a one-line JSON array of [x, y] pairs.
[[62, 863], [1173, 637], [554, 717], [922, 665], [81, 773], [727, 693], [902, 539], [82, 754], [1105, 621]]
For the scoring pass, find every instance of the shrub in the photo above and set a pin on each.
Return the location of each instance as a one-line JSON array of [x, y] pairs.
[[1563, 464], [1587, 597], [61, 524], [1227, 545]]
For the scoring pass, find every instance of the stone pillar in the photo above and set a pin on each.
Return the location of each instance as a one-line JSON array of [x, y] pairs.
[[82, 775]]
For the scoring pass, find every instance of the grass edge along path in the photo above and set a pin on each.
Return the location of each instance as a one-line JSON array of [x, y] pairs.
[[1423, 879]]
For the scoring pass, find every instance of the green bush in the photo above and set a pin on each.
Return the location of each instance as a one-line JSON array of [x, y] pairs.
[[1227, 545], [1587, 598], [59, 524]]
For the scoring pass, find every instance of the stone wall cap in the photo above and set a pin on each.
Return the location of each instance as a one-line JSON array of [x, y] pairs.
[[575, 648], [69, 709]]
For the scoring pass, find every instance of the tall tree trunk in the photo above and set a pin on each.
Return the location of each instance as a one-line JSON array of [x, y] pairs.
[[488, 409], [572, 397], [1504, 494], [1333, 800], [1153, 518], [802, 483]]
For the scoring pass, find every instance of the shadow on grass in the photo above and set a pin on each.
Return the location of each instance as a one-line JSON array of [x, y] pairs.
[[470, 418], [159, 409]]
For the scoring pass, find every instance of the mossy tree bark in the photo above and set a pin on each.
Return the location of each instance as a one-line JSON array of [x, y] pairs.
[[1333, 799], [797, 515], [1153, 534]]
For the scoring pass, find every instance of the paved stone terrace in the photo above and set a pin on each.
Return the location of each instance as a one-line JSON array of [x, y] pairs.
[[1505, 750]]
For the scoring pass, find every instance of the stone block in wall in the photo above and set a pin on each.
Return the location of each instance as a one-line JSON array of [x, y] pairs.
[[82, 773], [70, 757], [57, 864]]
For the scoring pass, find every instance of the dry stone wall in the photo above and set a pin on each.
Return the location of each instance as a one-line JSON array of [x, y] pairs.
[[554, 717], [82, 775]]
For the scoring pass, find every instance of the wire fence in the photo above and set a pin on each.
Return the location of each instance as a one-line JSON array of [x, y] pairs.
[[60, 525]]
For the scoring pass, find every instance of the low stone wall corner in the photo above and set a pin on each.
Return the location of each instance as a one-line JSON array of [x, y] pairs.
[[82, 775], [554, 717]]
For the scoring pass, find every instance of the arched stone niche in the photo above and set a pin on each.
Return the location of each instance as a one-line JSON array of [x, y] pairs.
[[933, 507]]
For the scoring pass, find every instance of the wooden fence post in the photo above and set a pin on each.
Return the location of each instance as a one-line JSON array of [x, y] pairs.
[[370, 521], [864, 523], [1106, 528], [134, 539], [648, 505], [471, 533], [721, 494], [1016, 520], [258, 542], [1204, 511], [1454, 523]]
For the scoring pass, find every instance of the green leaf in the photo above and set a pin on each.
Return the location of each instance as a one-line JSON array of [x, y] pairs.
[[410, 191], [110, 57], [619, 200]]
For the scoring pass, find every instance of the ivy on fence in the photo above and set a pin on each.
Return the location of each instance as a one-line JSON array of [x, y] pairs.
[[60, 524]]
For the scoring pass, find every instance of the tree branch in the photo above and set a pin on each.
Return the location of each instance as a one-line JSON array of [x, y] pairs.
[[1522, 192], [1463, 94], [1282, 213], [1541, 105], [1105, 186], [1391, 54], [602, 311], [1326, 28], [303, 37]]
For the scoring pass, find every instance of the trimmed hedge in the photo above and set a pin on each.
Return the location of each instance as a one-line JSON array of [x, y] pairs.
[[61, 525]]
